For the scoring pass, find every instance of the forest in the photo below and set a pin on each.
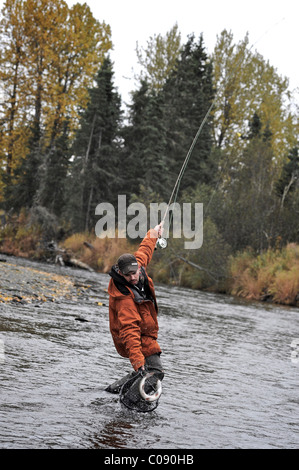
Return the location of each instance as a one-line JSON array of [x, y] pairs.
[[68, 143]]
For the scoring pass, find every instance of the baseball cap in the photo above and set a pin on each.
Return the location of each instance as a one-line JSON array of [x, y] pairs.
[[127, 263]]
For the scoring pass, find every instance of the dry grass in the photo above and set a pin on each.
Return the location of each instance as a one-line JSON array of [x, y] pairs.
[[273, 275], [104, 252], [19, 238], [285, 287]]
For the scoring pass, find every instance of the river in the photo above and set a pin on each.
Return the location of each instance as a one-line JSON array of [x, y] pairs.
[[231, 380]]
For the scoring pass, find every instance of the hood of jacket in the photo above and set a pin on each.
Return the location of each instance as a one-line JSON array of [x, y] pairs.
[[119, 287]]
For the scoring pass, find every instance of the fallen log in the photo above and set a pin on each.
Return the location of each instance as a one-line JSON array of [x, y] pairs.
[[64, 258], [79, 264], [200, 268], [89, 245]]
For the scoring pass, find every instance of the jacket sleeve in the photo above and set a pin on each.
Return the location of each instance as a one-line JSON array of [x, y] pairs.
[[146, 249], [130, 334]]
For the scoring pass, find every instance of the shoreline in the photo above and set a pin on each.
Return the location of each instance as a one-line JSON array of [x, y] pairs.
[[62, 287]]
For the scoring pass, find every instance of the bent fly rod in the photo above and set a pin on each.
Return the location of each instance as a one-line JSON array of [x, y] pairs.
[[162, 242]]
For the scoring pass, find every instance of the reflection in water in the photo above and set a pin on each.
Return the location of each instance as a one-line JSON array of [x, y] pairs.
[[230, 380], [115, 434]]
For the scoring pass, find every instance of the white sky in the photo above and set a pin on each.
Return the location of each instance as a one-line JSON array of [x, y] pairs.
[[272, 26]]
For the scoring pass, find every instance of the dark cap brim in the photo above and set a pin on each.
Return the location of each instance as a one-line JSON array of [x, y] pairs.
[[130, 268]]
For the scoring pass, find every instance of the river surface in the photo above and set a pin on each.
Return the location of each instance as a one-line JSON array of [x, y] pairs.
[[230, 381]]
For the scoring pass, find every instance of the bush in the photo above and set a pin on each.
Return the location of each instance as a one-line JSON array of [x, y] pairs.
[[20, 238], [203, 268], [273, 275], [99, 254]]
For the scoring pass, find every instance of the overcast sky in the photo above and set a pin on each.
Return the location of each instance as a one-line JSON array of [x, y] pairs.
[[272, 26]]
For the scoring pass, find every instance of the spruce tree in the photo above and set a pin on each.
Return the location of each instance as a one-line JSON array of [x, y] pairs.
[[144, 144], [21, 187], [248, 214], [52, 174], [95, 172], [188, 94]]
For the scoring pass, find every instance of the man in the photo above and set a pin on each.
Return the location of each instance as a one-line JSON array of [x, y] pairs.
[[133, 310]]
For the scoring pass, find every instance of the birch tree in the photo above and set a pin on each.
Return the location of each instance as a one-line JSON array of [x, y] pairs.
[[50, 54], [159, 57], [246, 83]]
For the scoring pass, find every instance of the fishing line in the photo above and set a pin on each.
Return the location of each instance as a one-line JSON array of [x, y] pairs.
[[185, 163], [176, 187]]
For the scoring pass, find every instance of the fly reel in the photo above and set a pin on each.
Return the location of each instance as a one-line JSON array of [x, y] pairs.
[[161, 243]]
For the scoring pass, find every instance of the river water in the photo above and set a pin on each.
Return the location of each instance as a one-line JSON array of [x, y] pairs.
[[230, 381]]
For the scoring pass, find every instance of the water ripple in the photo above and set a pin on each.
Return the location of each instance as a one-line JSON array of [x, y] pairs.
[[230, 381]]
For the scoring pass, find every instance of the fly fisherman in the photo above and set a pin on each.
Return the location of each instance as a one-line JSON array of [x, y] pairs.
[[133, 310]]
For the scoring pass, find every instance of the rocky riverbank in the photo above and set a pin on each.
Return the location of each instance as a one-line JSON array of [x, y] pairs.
[[23, 282], [271, 276], [26, 285]]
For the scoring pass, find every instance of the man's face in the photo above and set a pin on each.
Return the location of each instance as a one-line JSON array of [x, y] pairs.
[[133, 278]]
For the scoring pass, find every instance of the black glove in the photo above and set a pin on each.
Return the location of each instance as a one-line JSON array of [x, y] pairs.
[[142, 370]]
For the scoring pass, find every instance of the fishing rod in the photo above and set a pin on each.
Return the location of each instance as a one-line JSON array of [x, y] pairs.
[[162, 242]]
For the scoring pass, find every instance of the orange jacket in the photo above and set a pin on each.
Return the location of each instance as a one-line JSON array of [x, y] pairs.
[[133, 320]]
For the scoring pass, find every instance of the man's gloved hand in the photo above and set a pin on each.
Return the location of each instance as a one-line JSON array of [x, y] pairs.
[[159, 229], [142, 370]]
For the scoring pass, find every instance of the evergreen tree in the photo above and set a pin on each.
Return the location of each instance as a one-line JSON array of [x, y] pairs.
[[248, 215], [96, 166], [144, 144], [188, 94], [52, 173], [255, 126], [21, 187], [39, 180], [164, 123]]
